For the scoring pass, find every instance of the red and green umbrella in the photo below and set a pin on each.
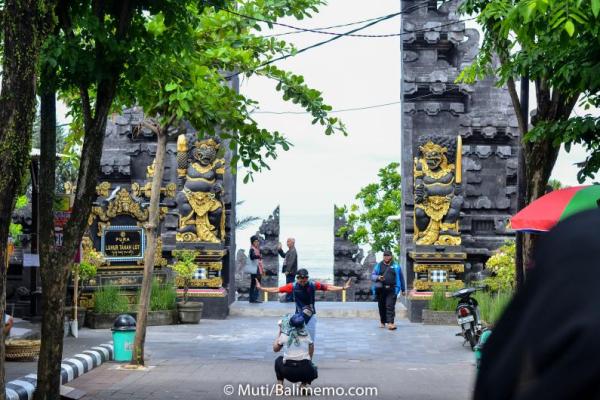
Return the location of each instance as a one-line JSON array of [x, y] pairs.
[[542, 214]]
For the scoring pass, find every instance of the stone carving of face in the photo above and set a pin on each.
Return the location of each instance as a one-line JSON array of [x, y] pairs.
[[433, 158], [205, 154]]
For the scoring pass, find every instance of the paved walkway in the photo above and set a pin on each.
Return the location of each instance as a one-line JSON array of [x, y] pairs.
[[199, 361]]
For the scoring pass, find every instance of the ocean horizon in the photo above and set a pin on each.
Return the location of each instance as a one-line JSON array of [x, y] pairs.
[[314, 242]]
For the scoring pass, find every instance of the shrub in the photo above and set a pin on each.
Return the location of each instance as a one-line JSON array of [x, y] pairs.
[[185, 267], [439, 301], [502, 266], [109, 299]]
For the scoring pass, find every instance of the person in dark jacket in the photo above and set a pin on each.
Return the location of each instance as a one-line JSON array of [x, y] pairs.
[[303, 292], [388, 282], [290, 263], [545, 345], [254, 254]]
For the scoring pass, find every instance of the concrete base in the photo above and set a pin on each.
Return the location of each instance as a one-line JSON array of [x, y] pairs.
[[415, 309], [214, 307], [325, 309]]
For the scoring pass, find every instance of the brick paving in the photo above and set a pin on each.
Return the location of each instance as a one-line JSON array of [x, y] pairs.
[[198, 361]]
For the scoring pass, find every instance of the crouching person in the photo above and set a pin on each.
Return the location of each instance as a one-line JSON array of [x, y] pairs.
[[295, 365]]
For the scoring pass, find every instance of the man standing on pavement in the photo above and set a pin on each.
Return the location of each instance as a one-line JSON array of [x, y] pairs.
[[290, 263], [389, 281], [303, 293]]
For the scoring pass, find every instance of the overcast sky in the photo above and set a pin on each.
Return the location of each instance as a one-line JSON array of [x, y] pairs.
[[320, 171]]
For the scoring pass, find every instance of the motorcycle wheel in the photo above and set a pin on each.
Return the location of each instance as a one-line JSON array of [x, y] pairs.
[[470, 337]]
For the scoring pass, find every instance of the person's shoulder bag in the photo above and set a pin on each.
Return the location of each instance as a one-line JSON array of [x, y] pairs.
[[251, 266]]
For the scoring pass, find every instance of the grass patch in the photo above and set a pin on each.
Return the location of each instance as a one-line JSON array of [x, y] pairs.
[[439, 301], [492, 305], [162, 297], [109, 299]]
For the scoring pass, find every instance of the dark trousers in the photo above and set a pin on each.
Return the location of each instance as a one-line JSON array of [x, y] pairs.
[[289, 278], [295, 371], [253, 293], [386, 301]]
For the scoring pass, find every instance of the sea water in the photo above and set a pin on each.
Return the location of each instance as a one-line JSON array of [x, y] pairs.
[[314, 242]]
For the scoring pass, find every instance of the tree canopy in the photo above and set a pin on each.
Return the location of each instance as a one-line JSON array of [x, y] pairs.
[[371, 221]]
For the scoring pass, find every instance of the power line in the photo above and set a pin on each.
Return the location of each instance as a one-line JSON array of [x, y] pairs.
[[318, 30], [324, 28], [351, 31], [333, 111], [355, 108]]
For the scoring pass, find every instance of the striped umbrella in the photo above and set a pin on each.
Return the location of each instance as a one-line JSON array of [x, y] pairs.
[[542, 214]]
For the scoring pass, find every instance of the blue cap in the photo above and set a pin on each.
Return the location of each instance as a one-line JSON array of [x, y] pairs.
[[297, 320]]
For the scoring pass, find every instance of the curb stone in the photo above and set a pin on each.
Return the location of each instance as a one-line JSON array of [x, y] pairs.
[[70, 368]]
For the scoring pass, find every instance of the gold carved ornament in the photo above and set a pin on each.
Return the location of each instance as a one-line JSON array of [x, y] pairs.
[[202, 203], [215, 282], [436, 207]]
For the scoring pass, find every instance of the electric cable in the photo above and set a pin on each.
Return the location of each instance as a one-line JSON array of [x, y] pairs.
[[349, 34], [353, 108]]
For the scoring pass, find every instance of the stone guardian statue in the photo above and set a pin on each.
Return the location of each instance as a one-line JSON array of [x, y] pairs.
[[437, 184], [200, 186]]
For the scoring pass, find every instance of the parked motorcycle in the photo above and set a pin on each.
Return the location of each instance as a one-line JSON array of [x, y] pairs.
[[467, 315]]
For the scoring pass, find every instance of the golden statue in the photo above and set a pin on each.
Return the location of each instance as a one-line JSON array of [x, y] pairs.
[[437, 191], [201, 211]]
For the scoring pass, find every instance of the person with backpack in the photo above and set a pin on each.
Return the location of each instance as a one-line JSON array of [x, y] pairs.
[[296, 363], [388, 282], [303, 294]]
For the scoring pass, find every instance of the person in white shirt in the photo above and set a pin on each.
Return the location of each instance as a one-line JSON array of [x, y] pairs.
[[8, 324], [295, 365]]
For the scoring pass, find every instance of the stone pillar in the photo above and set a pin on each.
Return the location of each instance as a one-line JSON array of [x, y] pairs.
[[435, 48], [347, 258], [269, 230]]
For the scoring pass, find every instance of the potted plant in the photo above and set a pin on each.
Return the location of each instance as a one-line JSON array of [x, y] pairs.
[[189, 311], [82, 273]]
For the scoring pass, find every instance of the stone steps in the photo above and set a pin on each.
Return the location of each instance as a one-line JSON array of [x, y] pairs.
[[325, 309]]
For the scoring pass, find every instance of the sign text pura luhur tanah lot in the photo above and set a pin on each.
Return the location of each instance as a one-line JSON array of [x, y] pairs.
[[123, 243]]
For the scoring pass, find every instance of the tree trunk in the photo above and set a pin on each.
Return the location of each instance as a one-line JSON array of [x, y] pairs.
[[53, 273], [22, 40], [55, 264], [152, 231]]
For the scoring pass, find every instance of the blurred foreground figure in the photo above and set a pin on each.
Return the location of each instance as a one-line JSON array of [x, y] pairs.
[[547, 343]]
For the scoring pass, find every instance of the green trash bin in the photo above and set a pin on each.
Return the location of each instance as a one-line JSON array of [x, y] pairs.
[[123, 332]]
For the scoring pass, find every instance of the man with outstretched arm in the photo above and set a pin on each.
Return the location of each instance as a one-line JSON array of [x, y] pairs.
[[303, 294]]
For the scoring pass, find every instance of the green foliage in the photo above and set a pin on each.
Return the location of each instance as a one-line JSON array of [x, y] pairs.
[[492, 305], [502, 265], [555, 43], [109, 299], [185, 267], [85, 270], [369, 222], [439, 301], [16, 230], [171, 62], [162, 296], [555, 184]]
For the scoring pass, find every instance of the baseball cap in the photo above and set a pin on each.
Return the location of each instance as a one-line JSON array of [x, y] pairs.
[[302, 272], [297, 320]]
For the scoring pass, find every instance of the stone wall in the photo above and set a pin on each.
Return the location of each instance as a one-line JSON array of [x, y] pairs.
[[348, 263], [435, 48]]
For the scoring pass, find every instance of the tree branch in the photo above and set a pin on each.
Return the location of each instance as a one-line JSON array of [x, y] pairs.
[[86, 107]]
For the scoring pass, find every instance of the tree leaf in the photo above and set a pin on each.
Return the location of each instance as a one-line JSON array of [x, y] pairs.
[[569, 27]]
